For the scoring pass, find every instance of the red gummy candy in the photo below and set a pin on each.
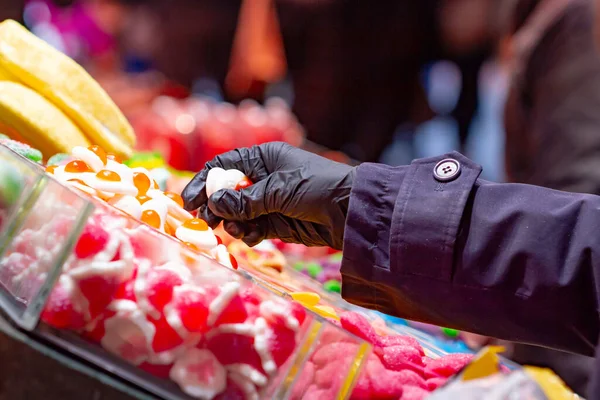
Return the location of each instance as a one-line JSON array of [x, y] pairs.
[[413, 393], [234, 348], [199, 374], [159, 286], [232, 392], [191, 307], [62, 309], [447, 366], [160, 371], [398, 358], [282, 342], [298, 312], [434, 383], [92, 240], [165, 338], [231, 308], [99, 291], [357, 324]]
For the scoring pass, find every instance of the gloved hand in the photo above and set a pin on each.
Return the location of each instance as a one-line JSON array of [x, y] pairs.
[[297, 196]]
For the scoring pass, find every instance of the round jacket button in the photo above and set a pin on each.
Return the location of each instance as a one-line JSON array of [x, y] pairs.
[[446, 170]]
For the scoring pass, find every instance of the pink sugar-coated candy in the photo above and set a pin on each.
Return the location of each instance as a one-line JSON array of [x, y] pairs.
[[434, 383], [375, 382], [333, 352], [408, 377], [398, 358], [447, 366], [307, 375], [357, 324], [400, 340], [65, 309], [413, 393], [314, 392]]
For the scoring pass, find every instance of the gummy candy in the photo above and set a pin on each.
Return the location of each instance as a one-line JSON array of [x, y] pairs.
[[434, 383], [64, 308], [189, 308], [199, 374], [413, 393], [358, 325], [397, 358], [92, 240], [447, 366]]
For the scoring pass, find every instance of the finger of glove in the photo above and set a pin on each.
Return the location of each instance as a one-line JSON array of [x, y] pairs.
[[194, 193], [240, 205], [234, 228], [207, 215]]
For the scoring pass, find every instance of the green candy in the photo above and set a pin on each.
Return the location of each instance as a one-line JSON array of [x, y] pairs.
[[450, 332], [11, 185], [22, 149], [298, 266], [148, 160], [58, 159], [337, 257], [313, 269], [333, 286]]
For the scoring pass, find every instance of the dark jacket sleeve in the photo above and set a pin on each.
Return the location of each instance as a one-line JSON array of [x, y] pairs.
[[512, 261]]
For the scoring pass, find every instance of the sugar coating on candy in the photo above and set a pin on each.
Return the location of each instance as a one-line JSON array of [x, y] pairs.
[[22, 149], [357, 324], [199, 374], [408, 377], [414, 393], [128, 333], [447, 366], [397, 358], [332, 352], [400, 340]]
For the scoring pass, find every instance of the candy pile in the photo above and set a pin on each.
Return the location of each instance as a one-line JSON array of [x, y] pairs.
[[21, 148], [326, 270], [396, 369], [151, 302], [135, 192]]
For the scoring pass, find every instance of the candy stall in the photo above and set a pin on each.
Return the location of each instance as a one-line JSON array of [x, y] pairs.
[[117, 291]]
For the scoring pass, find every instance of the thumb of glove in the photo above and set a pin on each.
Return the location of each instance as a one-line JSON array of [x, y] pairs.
[[240, 205]]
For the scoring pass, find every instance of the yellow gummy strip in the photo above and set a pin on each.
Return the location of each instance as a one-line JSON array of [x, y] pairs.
[[485, 363], [552, 386], [323, 311], [306, 298], [354, 370]]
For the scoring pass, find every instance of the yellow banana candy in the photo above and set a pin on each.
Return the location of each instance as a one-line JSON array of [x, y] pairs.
[[24, 114], [27, 59]]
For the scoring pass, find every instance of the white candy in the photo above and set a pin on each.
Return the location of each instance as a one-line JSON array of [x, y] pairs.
[[204, 240], [89, 157], [187, 373], [218, 179], [127, 204]]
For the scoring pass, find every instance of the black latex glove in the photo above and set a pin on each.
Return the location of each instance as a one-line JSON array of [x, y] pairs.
[[297, 196]]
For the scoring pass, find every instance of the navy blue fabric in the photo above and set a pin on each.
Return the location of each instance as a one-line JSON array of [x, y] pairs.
[[512, 261]]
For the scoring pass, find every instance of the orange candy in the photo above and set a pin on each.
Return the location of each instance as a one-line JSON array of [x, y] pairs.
[[114, 157], [107, 175], [195, 224], [50, 169], [141, 182], [143, 198], [99, 151], [152, 218], [175, 197], [191, 246], [77, 166], [156, 185]]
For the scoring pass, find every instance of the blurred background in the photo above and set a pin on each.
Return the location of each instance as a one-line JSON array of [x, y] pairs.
[[513, 84]]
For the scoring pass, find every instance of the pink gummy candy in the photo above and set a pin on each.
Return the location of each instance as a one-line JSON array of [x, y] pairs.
[[160, 283], [447, 366], [92, 240], [413, 393], [408, 377], [398, 358], [434, 383], [282, 342], [357, 324], [333, 352], [375, 382], [400, 340], [306, 377]]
